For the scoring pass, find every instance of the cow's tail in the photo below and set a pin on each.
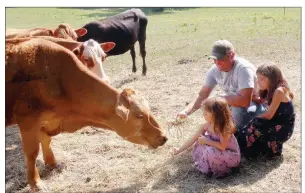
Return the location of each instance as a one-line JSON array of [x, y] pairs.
[[142, 28], [133, 16]]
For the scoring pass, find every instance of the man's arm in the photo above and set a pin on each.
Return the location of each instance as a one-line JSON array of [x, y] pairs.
[[246, 83], [242, 100], [203, 94]]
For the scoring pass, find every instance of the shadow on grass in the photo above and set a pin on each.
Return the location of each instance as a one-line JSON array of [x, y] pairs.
[[128, 189], [249, 172], [188, 179], [124, 80], [15, 167], [185, 178], [15, 172]]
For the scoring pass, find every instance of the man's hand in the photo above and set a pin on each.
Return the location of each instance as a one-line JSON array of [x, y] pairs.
[[181, 115]]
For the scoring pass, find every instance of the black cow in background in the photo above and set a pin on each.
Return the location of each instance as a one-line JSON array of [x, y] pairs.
[[124, 29]]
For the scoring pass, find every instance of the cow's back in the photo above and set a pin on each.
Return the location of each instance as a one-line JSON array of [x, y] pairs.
[[13, 33], [33, 71], [122, 29]]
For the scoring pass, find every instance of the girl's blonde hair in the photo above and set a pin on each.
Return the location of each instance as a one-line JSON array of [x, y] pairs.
[[276, 79], [222, 119]]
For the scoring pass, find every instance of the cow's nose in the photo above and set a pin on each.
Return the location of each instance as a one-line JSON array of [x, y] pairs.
[[162, 140]]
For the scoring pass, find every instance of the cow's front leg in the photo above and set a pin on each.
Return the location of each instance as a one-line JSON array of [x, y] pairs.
[[48, 156], [30, 144]]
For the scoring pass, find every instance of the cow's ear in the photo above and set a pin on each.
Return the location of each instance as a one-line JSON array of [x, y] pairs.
[[76, 51], [122, 112], [80, 32], [107, 46], [50, 32], [124, 103]]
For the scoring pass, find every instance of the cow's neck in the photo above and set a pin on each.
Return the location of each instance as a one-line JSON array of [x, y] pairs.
[[86, 90], [69, 44]]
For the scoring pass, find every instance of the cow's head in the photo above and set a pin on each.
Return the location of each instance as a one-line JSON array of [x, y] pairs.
[[92, 55], [65, 31], [139, 125], [90, 49]]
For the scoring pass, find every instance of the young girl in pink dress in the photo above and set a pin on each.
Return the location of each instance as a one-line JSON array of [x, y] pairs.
[[215, 148]]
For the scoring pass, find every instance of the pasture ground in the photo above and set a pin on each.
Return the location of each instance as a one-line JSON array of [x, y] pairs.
[[97, 160]]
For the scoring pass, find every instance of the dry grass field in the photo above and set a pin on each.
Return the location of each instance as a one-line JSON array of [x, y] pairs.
[[178, 40]]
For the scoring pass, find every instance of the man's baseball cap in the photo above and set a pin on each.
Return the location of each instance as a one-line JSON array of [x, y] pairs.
[[221, 48]]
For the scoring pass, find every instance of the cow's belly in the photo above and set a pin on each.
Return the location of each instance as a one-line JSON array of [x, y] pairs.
[[123, 42], [119, 51], [53, 123]]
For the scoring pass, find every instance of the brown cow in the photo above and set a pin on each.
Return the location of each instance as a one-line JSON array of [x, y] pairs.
[[90, 53], [49, 91], [62, 31]]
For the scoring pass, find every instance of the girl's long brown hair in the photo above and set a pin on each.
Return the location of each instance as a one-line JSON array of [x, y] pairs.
[[223, 122], [276, 79]]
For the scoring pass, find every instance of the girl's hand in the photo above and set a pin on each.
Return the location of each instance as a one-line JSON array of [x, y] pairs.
[[175, 151], [202, 140]]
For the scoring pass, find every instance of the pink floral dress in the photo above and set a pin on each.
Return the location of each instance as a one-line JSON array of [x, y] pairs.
[[209, 159]]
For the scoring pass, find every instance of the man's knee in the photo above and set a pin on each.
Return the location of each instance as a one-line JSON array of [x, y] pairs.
[[239, 114], [243, 118], [261, 109]]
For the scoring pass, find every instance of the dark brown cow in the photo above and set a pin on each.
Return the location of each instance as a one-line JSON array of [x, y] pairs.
[[49, 91], [124, 29]]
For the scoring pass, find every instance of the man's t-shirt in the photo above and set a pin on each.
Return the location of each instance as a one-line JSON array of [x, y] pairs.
[[242, 75]]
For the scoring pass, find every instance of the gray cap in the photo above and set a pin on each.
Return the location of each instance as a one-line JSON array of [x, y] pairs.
[[221, 48]]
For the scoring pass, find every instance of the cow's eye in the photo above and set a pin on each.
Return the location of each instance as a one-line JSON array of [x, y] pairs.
[[140, 116]]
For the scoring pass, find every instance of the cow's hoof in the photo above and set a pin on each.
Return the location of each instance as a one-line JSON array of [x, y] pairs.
[[58, 167], [40, 186]]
